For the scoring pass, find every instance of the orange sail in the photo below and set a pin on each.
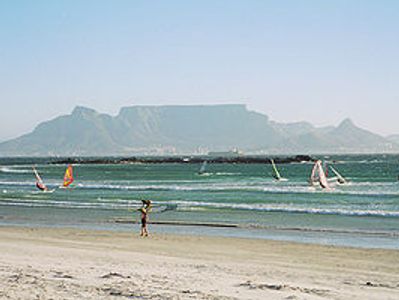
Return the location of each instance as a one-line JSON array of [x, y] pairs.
[[68, 177]]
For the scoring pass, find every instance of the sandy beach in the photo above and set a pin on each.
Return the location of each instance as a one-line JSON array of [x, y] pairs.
[[39, 263]]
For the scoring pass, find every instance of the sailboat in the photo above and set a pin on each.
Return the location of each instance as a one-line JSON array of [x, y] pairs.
[[202, 170], [276, 175], [68, 177], [39, 182], [318, 177], [340, 178]]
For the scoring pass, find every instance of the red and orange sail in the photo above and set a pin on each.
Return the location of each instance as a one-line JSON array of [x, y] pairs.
[[68, 177]]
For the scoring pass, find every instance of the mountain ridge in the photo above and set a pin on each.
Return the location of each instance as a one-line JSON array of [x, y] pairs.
[[178, 129]]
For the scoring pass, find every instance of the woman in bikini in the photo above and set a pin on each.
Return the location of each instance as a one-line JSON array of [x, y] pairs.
[[144, 217]]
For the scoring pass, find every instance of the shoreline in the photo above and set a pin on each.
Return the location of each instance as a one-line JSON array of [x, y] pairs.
[[362, 239], [254, 226], [73, 263]]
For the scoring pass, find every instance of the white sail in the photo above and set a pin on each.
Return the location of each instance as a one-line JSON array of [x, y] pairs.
[[323, 178], [38, 178], [314, 179], [39, 181], [340, 178], [203, 167], [318, 177]]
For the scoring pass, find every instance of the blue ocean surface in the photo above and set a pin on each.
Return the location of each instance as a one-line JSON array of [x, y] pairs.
[[362, 213]]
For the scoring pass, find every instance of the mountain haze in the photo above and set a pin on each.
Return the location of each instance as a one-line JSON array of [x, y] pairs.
[[187, 129], [394, 138]]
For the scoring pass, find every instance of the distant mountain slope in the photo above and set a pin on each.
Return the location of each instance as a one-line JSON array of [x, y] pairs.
[[81, 132], [346, 137], [394, 138], [349, 137], [185, 129]]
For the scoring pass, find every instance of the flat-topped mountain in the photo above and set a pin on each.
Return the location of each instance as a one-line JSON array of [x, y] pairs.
[[187, 129]]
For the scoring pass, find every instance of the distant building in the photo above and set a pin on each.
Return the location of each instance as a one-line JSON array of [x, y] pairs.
[[234, 152]]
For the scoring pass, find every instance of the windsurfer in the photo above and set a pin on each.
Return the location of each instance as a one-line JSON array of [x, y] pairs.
[[39, 182], [68, 177], [275, 177], [41, 186]]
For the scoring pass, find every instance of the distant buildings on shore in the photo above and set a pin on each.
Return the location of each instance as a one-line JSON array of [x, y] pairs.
[[234, 152]]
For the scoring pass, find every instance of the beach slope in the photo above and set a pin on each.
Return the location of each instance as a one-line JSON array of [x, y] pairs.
[[37, 263]]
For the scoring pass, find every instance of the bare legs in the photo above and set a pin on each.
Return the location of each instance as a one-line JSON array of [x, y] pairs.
[[144, 230]]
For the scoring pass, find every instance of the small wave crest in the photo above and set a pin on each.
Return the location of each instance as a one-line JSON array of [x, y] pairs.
[[355, 189], [14, 170], [184, 205], [289, 209]]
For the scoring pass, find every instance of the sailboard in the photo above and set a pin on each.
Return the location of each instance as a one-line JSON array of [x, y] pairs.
[[276, 174], [340, 178], [318, 177], [202, 169], [68, 177]]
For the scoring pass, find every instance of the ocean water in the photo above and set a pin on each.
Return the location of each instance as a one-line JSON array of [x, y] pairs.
[[362, 213]]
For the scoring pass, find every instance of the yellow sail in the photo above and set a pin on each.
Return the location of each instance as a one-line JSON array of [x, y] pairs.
[[68, 177]]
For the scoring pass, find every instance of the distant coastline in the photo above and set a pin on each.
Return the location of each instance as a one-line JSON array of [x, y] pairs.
[[187, 160]]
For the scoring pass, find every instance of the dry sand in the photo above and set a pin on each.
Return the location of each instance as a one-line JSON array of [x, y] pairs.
[[77, 264]]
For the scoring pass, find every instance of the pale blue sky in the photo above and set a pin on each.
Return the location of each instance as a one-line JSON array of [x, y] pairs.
[[320, 61]]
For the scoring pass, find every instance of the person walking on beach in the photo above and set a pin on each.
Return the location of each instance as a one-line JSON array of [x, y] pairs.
[[145, 209]]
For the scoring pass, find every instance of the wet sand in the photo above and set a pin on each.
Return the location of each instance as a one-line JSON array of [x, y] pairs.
[[39, 263]]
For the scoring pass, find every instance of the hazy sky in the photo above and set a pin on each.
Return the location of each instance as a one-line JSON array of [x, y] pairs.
[[319, 61]]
